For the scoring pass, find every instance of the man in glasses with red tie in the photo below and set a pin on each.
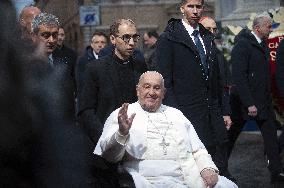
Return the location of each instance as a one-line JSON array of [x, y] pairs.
[[109, 82]]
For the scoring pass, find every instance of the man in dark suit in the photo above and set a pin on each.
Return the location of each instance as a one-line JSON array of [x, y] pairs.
[[98, 42], [225, 73], [186, 57], [39, 147], [150, 38], [45, 29], [108, 83], [64, 52], [250, 96]]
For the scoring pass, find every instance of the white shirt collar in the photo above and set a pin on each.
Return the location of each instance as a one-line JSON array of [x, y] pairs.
[[189, 28], [96, 55], [50, 57], [257, 38]]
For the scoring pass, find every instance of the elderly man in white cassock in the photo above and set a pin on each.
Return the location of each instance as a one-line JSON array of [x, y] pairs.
[[157, 145]]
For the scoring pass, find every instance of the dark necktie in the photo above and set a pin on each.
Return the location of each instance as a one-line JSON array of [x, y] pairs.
[[265, 48], [263, 45], [50, 61], [200, 49]]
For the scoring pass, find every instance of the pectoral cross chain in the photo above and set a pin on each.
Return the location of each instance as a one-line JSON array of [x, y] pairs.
[[164, 145]]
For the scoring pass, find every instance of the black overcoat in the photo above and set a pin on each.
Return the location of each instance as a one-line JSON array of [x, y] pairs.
[[188, 89], [251, 75]]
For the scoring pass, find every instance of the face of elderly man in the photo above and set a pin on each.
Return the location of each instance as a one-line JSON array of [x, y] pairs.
[[150, 91], [264, 28]]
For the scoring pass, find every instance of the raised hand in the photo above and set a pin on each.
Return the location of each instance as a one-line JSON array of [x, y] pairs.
[[124, 121]]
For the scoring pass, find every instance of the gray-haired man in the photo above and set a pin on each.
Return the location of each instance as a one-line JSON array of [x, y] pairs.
[[250, 96], [45, 32], [45, 28]]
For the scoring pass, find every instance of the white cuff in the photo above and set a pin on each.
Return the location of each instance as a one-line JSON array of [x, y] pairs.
[[121, 139]]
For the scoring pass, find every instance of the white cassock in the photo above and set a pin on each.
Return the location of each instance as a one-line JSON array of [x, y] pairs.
[[176, 162]]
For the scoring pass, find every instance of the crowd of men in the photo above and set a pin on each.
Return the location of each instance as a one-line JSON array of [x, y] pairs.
[[169, 116]]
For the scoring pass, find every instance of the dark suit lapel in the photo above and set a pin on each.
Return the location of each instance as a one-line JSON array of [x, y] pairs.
[[183, 37], [207, 41], [189, 42], [208, 45]]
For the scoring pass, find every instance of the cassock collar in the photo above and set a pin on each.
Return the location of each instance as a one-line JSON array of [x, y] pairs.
[[121, 61]]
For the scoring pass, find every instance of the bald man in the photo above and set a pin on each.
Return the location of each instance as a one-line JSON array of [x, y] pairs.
[[25, 19], [210, 24]]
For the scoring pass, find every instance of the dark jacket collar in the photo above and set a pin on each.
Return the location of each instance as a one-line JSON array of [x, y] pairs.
[[245, 34], [175, 31], [89, 53]]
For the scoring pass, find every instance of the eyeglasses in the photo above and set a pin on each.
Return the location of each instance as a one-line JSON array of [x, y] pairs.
[[126, 37], [46, 35]]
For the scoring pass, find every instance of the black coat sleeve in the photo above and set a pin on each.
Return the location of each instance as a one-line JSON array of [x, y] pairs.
[[79, 72], [240, 58], [224, 73]]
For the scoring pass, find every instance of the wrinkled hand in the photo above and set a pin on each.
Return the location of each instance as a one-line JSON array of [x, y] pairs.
[[252, 111], [228, 122], [124, 121], [210, 177]]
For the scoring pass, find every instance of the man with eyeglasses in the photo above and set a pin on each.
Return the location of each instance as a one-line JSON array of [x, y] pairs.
[[109, 82], [186, 57], [61, 148], [45, 29]]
